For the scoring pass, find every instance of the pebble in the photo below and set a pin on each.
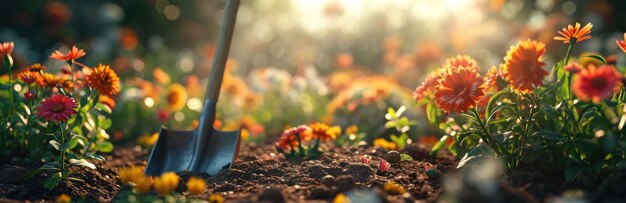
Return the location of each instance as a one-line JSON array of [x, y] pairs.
[[344, 183], [271, 195], [328, 180], [393, 156]]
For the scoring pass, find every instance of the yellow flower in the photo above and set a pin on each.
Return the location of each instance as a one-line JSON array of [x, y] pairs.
[[63, 198], [195, 185], [216, 198], [161, 76], [130, 174], [394, 188], [352, 130], [143, 184], [341, 198], [166, 183], [381, 142], [322, 131], [176, 97], [147, 139]]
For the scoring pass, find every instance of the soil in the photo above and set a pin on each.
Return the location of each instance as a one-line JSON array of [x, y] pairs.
[[262, 175]]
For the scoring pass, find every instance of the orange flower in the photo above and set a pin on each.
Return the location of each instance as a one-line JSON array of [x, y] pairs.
[[106, 100], [104, 80], [323, 132], [573, 67], [427, 87], [492, 76], [622, 43], [176, 97], [596, 84], [381, 142], [459, 89], [289, 140], [36, 68], [461, 61], [161, 76], [523, 65], [73, 54], [27, 77], [51, 80], [6, 48], [575, 33]]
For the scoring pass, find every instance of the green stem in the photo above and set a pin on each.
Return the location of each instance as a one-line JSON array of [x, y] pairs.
[[568, 74], [487, 137], [62, 143]]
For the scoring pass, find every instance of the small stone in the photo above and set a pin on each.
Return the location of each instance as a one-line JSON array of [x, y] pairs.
[[333, 171], [328, 180], [321, 192], [393, 156], [225, 187], [271, 195]]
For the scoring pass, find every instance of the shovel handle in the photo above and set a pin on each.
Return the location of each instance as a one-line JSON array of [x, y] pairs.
[[221, 53]]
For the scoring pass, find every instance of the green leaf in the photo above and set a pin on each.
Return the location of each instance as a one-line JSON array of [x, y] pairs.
[[597, 57], [103, 108], [391, 114], [571, 173], [106, 123], [74, 141], [550, 135], [55, 144], [390, 124], [494, 100], [431, 112], [53, 181], [104, 146], [96, 157], [406, 157], [439, 145], [82, 162], [474, 155]]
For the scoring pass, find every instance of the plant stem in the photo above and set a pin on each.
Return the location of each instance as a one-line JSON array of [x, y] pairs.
[[487, 137], [62, 143], [568, 74]]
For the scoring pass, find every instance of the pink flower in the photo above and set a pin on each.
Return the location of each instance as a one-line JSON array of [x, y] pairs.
[[384, 166], [57, 108], [365, 159], [30, 95], [6, 48]]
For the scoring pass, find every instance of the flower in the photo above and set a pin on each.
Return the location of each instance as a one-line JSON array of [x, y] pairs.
[[573, 67], [394, 188], [461, 61], [30, 95], [323, 132], [523, 65], [106, 100], [216, 198], [143, 183], [459, 89], [622, 43], [36, 68], [57, 108], [166, 183], [196, 186], [27, 77], [365, 159], [381, 142], [130, 174], [161, 76], [492, 76], [104, 80], [51, 80], [352, 130], [73, 54], [341, 198], [148, 139], [63, 198], [596, 84], [289, 140], [383, 166], [163, 115], [176, 97], [575, 33], [427, 87], [6, 48]]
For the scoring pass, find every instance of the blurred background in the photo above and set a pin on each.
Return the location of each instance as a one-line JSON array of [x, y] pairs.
[[292, 62]]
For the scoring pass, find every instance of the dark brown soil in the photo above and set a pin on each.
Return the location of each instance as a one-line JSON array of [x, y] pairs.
[[262, 175], [99, 185]]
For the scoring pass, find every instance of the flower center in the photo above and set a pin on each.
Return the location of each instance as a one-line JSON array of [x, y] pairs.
[[598, 83], [58, 108]]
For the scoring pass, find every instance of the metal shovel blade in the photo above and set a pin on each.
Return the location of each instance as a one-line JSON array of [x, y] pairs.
[[204, 149]]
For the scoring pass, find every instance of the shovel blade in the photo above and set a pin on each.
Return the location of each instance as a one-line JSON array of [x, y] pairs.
[[173, 151], [217, 152]]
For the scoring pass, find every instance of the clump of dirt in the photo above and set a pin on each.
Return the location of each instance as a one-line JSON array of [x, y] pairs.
[[98, 184]]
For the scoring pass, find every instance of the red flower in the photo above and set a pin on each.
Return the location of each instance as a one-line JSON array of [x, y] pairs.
[[427, 87], [383, 166], [6, 48], [461, 61], [622, 43], [57, 108], [459, 89], [28, 77], [30, 95], [73, 54], [573, 67], [596, 84], [289, 140]]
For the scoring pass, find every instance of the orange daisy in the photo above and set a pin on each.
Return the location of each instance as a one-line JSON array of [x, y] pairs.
[[104, 80], [575, 33], [596, 84], [36, 68], [523, 65], [27, 77], [6, 48], [323, 132], [288, 139], [459, 89], [427, 87], [73, 54], [51, 80], [492, 76], [622, 43], [461, 61]]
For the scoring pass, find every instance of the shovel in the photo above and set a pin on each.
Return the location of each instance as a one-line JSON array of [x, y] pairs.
[[205, 149]]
